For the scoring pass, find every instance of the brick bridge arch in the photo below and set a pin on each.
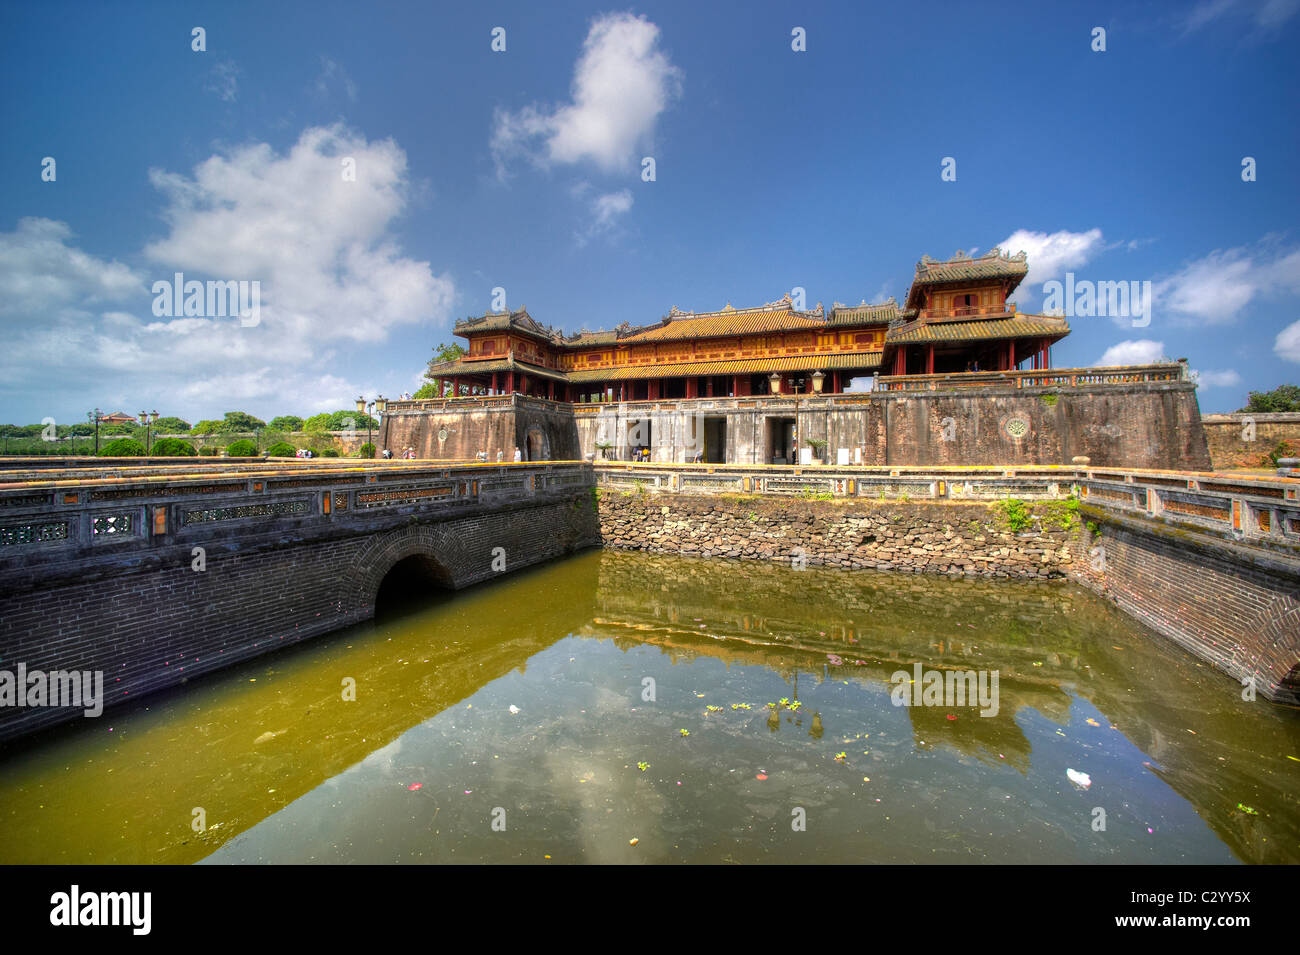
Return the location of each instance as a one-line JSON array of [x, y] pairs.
[[382, 552], [1279, 629]]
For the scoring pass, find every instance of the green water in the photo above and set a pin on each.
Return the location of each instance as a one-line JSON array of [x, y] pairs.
[[429, 764]]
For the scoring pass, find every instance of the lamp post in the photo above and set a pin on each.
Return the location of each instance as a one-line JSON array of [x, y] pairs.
[[96, 415], [381, 405], [148, 429], [365, 407]]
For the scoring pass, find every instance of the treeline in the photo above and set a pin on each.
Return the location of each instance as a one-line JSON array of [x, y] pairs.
[[237, 433]]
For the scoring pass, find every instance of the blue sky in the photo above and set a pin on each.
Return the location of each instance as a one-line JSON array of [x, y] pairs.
[[522, 169]]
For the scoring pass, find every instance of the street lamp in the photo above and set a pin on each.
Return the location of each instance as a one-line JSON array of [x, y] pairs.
[[776, 383], [148, 429], [381, 405], [364, 407], [817, 378], [96, 415]]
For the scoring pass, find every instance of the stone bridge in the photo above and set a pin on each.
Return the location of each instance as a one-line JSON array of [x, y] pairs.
[[152, 572], [160, 572]]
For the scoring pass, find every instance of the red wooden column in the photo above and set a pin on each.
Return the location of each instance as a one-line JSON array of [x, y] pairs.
[[495, 387], [692, 387], [929, 359], [550, 388], [510, 382], [1011, 355]]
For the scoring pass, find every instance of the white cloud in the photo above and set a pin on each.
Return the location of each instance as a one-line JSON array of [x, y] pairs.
[[1051, 255], [1217, 379], [605, 212], [330, 271], [1142, 351], [622, 83], [40, 272], [1214, 289], [1287, 344]]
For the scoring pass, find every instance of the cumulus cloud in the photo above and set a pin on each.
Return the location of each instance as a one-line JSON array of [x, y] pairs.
[[1287, 344], [1051, 255], [622, 83], [1217, 379], [1142, 351], [39, 271], [330, 270], [1213, 290]]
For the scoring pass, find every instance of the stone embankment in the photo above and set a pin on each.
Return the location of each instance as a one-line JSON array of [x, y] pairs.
[[973, 539]]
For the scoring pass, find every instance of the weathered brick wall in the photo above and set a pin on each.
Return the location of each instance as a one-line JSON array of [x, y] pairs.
[[461, 435], [1245, 440], [152, 624], [1233, 609], [967, 539], [1137, 424], [1143, 425]]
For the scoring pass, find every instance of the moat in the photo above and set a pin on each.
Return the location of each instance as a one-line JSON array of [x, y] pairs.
[[512, 722]]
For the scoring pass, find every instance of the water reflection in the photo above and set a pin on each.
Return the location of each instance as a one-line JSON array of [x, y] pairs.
[[529, 697]]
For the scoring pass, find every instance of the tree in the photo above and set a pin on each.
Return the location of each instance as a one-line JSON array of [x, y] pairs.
[[354, 420], [240, 421], [317, 422], [206, 426], [243, 448], [425, 391], [1281, 398], [443, 353], [173, 448], [170, 425], [286, 423], [122, 448]]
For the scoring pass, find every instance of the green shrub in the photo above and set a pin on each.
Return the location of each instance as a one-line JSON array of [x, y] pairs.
[[1015, 513], [122, 448], [208, 452], [242, 448], [329, 452], [282, 449], [366, 451], [173, 448]]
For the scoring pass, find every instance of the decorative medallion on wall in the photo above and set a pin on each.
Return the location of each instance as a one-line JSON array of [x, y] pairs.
[[442, 435], [1016, 428]]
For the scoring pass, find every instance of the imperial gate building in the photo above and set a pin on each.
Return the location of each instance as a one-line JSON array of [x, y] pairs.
[[956, 374]]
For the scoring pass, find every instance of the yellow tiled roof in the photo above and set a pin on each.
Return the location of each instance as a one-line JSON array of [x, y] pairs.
[[1037, 326], [726, 323], [459, 366]]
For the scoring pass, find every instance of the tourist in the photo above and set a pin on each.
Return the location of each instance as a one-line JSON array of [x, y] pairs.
[[387, 454], [518, 455]]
